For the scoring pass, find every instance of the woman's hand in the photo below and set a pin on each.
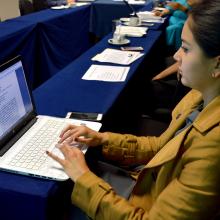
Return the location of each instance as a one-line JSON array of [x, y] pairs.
[[174, 5], [161, 13], [73, 134], [177, 6], [74, 163]]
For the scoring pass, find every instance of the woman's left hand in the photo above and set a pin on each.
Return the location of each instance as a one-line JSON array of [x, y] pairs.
[[74, 163]]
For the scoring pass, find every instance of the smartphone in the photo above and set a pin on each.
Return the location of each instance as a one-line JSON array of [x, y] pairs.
[[85, 116], [132, 48]]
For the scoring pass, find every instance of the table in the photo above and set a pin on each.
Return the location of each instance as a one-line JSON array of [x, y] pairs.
[[36, 199], [47, 40], [30, 198], [104, 11]]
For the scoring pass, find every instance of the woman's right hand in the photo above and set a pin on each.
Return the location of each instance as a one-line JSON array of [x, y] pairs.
[[73, 134]]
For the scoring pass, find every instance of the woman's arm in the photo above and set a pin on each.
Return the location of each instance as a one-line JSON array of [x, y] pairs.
[[167, 72]]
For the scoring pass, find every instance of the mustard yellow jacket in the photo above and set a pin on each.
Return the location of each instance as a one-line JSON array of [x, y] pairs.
[[186, 167]]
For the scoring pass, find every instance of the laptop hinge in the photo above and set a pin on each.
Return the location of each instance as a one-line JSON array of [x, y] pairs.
[[21, 132]]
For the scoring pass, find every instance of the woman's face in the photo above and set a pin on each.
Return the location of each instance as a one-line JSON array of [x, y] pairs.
[[195, 68]]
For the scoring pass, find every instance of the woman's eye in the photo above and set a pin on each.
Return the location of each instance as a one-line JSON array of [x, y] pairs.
[[185, 50]]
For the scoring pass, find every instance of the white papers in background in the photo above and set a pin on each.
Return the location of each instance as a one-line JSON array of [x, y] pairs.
[[60, 7], [117, 56], [147, 16], [106, 73], [160, 8], [82, 3], [131, 31], [133, 2]]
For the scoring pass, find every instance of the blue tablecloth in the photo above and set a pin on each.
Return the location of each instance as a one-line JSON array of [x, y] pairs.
[[66, 91], [47, 40], [33, 199]]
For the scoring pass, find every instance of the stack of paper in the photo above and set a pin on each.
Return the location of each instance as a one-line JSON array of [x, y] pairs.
[[131, 31], [132, 2], [147, 16], [117, 56], [106, 73]]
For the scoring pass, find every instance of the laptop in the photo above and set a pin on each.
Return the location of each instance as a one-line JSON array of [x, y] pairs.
[[24, 135]]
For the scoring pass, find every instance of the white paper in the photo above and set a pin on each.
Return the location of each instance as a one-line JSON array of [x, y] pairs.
[[82, 3], [117, 56], [106, 73], [132, 31], [132, 2], [148, 16]]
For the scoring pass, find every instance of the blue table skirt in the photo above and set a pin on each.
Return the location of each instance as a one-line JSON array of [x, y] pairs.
[[31, 198], [47, 40]]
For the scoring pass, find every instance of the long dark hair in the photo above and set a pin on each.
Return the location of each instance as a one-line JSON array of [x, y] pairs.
[[205, 25]]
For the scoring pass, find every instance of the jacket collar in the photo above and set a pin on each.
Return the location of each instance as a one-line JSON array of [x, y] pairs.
[[209, 116], [169, 151]]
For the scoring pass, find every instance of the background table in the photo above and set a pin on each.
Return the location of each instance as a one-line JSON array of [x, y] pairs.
[[47, 40], [104, 11]]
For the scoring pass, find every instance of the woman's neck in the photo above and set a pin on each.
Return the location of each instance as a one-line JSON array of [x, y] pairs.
[[210, 94]]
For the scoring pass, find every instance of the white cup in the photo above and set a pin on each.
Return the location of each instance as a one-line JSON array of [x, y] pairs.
[[134, 21], [118, 38]]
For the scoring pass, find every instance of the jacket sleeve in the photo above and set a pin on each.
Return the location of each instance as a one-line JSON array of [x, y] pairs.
[[129, 149], [99, 201]]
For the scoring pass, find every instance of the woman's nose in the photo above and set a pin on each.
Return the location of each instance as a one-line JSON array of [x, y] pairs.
[[177, 55]]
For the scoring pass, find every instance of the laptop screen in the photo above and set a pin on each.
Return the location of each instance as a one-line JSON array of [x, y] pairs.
[[15, 99]]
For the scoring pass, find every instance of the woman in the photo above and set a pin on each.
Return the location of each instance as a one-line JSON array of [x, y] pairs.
[[178, 10], [181, 176]]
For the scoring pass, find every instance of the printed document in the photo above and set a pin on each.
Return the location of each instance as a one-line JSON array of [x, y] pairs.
[[106, 73], [117, 56]]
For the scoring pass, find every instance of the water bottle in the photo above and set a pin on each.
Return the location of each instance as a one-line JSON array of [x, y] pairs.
[[116, 29]]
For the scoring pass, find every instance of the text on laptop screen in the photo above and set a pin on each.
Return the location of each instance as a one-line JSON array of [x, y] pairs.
[[15, 100]]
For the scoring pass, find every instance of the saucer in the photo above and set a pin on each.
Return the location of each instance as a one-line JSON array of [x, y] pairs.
[[134, 25], [125, 19], [125, 41]]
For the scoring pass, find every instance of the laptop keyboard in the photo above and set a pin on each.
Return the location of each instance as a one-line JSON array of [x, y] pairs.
[[32, 155]]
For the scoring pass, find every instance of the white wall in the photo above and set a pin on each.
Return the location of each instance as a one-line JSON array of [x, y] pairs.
[[9, 9]]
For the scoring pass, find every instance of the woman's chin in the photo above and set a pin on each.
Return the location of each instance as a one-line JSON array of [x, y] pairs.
[[184, 82]]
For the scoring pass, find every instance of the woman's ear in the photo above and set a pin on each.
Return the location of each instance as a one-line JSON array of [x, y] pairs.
[[216, 72]]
